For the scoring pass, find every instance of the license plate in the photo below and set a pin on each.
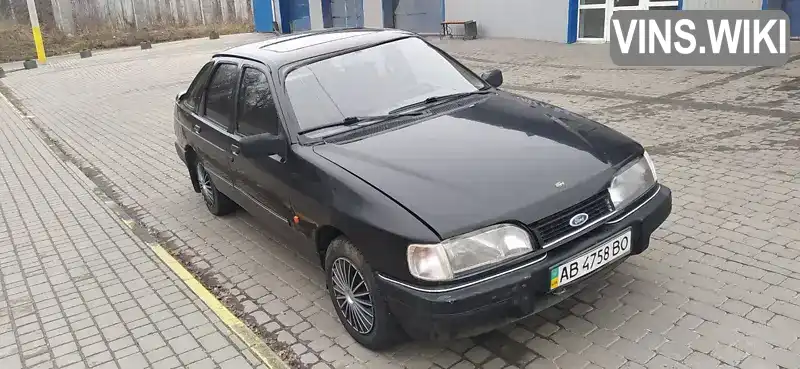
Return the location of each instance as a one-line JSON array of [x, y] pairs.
[[572, 270]]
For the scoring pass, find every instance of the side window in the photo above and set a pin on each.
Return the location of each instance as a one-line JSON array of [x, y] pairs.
[[257, 113], [195, 91], [220, 94]]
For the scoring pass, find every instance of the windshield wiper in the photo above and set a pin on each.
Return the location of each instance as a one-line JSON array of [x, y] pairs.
[[434, 99], [352, 121]]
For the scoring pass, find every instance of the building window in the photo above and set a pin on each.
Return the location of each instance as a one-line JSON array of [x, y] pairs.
[[621, 3], [594, 16], [663, 5], [592, 23]]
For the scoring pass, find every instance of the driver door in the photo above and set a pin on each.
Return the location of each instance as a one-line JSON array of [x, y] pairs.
[[264, 180]]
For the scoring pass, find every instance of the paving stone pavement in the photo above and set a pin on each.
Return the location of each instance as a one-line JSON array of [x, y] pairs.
[[718, 287], [77, 288]]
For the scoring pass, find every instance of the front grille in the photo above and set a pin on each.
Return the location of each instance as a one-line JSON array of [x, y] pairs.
[[557, 225]]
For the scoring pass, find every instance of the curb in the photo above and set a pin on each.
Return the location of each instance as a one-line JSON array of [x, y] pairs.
[[250, 338]]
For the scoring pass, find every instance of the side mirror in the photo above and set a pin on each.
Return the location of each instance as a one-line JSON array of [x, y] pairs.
[[493, 77], [262, 145]]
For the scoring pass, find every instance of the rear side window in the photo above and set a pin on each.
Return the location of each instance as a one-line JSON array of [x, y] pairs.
[[219, 96], [194, 94], [257, 113]]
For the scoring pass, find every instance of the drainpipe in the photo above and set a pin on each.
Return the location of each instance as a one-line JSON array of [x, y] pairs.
[[274, 12]]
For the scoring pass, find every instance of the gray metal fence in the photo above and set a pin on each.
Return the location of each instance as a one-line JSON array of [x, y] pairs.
[[72, 15]]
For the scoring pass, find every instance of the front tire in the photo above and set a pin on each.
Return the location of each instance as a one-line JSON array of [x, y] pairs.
[[356, 297], [216, 202]]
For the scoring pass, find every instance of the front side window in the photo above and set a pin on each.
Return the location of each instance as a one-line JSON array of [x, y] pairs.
[[194, 94], [373, 81], [257, 113], [220, 94]]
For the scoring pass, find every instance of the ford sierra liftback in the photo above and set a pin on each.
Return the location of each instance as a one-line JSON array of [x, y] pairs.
[[438, 205]]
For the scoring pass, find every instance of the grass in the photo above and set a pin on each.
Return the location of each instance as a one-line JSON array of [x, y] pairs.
[[16, 41]]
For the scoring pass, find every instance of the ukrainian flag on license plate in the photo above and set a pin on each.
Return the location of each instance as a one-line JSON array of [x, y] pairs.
[[554, 274]]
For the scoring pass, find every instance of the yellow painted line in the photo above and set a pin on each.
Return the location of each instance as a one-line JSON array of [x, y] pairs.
[[128, 223], [250, 338]]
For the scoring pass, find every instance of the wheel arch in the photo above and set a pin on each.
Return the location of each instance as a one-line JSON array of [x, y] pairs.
[[323, 236], [191, 158]]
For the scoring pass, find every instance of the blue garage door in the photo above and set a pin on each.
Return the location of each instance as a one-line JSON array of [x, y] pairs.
[[262, 15], [421, 16], [347, 13], [792, 8], [294, 16]]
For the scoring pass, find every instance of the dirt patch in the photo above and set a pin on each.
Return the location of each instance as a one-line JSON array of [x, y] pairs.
[[232, 303], [789, 85], [16, 41]]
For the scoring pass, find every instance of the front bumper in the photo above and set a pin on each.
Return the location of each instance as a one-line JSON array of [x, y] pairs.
[[480, 306]]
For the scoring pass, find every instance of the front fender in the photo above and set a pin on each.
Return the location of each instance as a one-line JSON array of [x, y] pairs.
[[379, 227]]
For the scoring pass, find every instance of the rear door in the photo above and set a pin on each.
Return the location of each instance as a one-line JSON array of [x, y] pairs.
[[214, 123], [265, 180]]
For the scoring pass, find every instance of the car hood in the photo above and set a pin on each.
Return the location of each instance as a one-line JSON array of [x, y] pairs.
[[503, 158]]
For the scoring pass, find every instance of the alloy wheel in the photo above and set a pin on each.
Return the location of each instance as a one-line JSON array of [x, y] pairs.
[[353, 297], [206, 187]]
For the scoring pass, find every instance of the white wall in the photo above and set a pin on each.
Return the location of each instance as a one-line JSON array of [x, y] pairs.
[[531, 19], [722, 4], [373, 13], [315, 13]]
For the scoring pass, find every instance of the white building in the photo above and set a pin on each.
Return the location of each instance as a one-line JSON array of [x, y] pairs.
[[564, 21]]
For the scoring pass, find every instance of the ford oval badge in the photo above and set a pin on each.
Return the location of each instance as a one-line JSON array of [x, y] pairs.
[[579, 219]]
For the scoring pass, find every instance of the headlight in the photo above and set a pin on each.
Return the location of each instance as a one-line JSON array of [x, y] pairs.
[[632, 181], [446, 260]]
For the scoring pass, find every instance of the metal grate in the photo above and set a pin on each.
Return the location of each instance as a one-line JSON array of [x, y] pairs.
[[557, 225]]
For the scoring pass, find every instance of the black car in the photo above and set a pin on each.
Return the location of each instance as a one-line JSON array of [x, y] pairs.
[[437, 204]]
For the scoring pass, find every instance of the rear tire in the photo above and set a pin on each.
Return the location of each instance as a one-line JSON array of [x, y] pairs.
[[356, 297], [216, 202]]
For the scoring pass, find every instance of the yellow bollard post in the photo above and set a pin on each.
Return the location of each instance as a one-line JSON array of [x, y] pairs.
[[37, 32]]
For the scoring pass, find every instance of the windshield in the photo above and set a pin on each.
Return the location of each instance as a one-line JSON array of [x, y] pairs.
[[373, 81]]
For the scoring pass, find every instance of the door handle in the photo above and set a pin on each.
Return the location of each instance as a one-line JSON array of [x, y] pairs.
[[235, 149], [197, 128]]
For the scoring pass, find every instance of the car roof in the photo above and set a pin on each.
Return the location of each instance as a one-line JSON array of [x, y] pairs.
[[290, 48]]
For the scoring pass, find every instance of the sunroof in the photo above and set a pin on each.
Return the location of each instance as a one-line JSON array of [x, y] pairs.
[[306, 41]]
